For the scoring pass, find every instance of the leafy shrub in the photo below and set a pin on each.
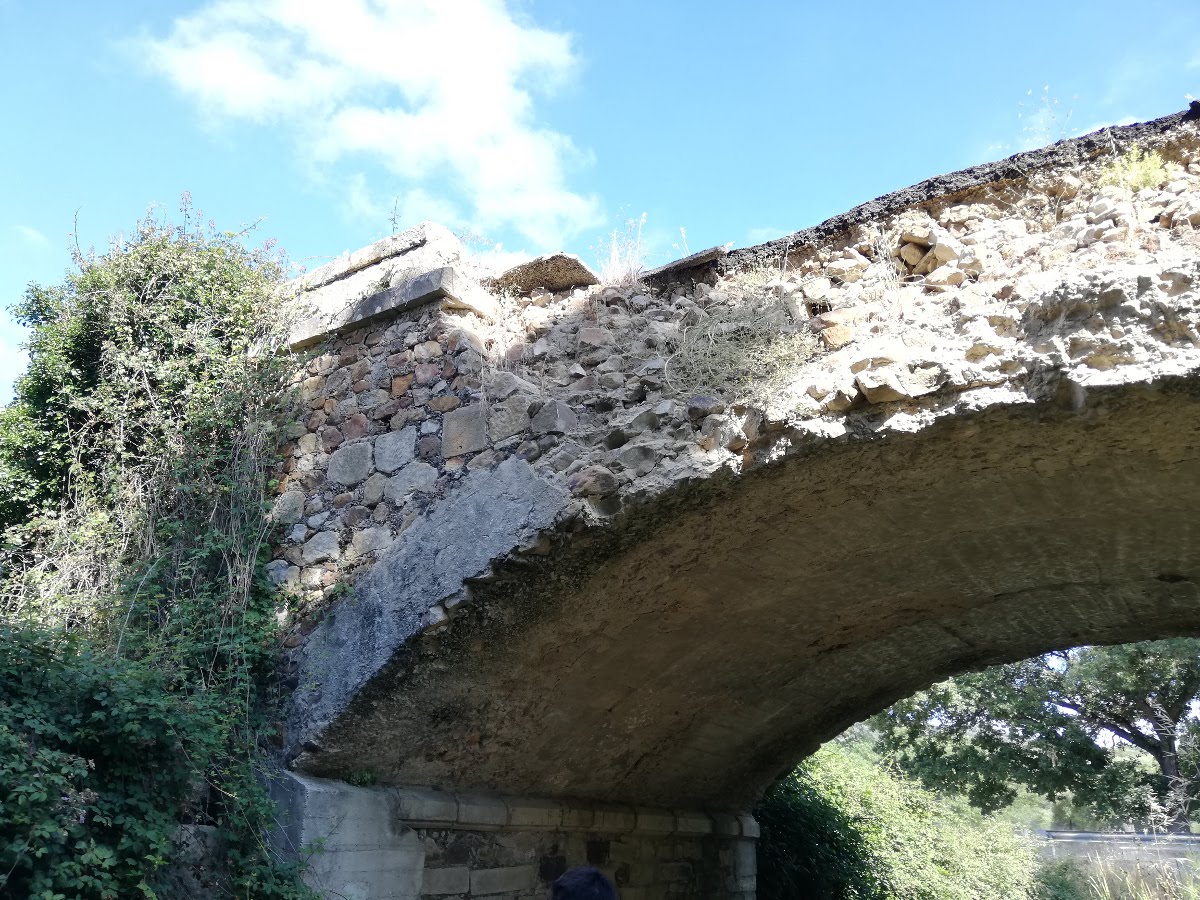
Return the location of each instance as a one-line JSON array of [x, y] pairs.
[[1135, 170], [843, 826], [134, 465]]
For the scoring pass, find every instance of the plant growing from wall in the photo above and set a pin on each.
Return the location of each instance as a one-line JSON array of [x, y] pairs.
[[134, 465]]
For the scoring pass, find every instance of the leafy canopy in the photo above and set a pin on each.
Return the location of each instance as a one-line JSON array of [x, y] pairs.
[[1057, 724]]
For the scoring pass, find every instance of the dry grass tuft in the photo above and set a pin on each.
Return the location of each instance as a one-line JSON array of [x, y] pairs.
[[744, 347], [622, 255]]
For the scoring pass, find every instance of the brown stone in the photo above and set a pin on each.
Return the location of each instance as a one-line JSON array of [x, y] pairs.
[[355, 427], [836, 336], [401, 384], [330, 437], [444, 403]]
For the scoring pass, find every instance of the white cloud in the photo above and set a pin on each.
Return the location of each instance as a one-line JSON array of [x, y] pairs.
[[441, 92], [32, 235]]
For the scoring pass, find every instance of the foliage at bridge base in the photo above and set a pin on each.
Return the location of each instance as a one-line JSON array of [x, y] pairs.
[[135, 619], [841, 826]]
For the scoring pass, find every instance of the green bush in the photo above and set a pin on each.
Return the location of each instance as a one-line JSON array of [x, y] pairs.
[[136, 621], [843, 826], [1135, 170]]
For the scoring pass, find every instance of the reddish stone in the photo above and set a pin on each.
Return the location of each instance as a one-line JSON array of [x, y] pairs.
[[360, 370], [359, 386], [427, 373], [448, 370], [342, 500], [401, 384], [317, 419], [383, 410], [355, 427], [330, 437]]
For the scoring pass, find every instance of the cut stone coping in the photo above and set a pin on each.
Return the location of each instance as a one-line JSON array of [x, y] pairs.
[[460, 811], [688, 262], [554, 272], [445, 284], [372, 254]]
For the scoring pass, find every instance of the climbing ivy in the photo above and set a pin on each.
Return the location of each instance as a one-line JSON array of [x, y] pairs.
[[136, 622]]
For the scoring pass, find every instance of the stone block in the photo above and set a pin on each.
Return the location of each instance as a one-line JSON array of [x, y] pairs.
[[370, 539], [351, 464], [534, 813], [481, 811], [464, 430], [395, 449], [416, 477], [289, 507], [691, 822], [655, 821], [554, 417], [508, 417], [614, 819], [749, 825], [725, 824], [499, 881], [322, 546], [576, 817], [419, 806], [446, 880]]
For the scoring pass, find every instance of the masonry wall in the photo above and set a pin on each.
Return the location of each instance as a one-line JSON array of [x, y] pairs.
[[416, 844]]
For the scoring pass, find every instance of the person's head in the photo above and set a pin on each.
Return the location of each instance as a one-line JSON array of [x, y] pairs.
[[583, 883]]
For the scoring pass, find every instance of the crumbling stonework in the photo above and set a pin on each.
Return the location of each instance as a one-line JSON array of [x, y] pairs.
[[568, 576]]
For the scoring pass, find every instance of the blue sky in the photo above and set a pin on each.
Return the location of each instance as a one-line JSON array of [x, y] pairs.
[[537, 124]]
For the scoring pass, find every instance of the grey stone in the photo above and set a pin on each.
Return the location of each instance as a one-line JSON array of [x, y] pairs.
[[508, 417], [464, 430], [446, 880], [554, 417], [370, 539], [497, 881], [416, 477], [504, 384], [681, 266], [374, 488], [277, 571], [491, 512], [321, 546], [395, 449], [554, 272], [350, 464], [362, 852], [638, 458], [445, 284], [289, 507]]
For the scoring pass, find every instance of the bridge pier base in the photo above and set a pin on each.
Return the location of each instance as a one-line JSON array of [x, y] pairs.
[[375, 843]]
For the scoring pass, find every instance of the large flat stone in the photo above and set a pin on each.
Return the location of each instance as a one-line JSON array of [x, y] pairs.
[[445, 284]]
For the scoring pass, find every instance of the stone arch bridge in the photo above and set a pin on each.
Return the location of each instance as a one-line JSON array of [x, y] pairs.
[[557, 605]]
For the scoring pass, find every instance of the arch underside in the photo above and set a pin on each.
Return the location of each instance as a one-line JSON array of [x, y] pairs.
[[688, 654]]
